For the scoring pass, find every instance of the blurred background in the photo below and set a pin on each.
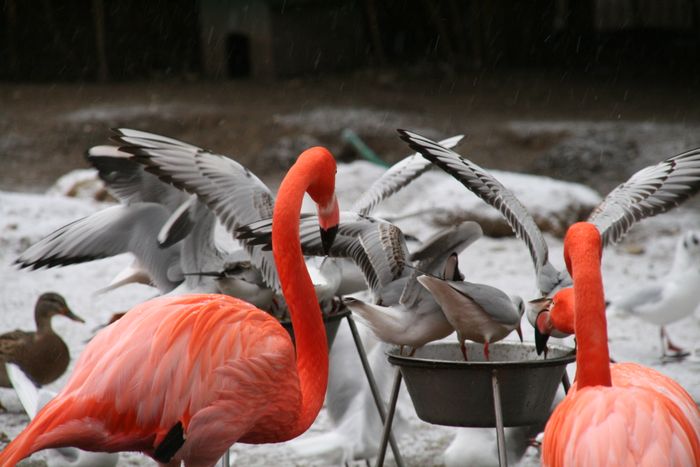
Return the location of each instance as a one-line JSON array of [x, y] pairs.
[[585, 90]]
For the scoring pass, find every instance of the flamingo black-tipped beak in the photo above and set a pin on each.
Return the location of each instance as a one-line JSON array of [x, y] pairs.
[[541, 342], [327, 238]]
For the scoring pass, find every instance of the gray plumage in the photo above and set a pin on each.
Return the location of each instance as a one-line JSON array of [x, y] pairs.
[[395, 178], [477, 312], [109, 232], [486, 187], [228, 189], [650, 191]]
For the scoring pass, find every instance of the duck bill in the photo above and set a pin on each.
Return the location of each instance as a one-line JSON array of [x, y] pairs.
[[541, 342], [69, 314]]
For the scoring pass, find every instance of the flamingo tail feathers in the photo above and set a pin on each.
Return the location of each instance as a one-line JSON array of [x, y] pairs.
[[63, 422]]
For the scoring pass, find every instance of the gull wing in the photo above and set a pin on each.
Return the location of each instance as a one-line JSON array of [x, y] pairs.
[[653, 190], [433, 254], [396, 178], [486, 187], [128, 181], [109, 232], [377, 247], [231, 191]]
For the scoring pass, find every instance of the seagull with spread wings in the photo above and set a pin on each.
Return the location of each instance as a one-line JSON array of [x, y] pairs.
[[650, 191]]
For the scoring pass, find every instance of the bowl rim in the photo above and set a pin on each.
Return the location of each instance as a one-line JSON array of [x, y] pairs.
[[420, 362]]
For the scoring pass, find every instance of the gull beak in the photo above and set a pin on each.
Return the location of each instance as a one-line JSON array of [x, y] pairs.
[[520, 332], [327, 238], [539, 305], [204, 273]]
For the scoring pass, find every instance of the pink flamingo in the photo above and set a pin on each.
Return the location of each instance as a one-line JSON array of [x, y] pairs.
[[183, 378], [602, 422], [558, 316]]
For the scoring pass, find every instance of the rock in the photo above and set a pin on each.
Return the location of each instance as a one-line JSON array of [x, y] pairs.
[[81, 183]]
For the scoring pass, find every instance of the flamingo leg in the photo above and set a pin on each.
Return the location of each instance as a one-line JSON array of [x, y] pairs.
[[486, 351], [413, 351]]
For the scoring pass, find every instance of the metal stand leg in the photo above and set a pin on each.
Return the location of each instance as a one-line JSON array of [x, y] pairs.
[[376, 395], [500, 431], [226, 460], [565, 382], [395, 388]]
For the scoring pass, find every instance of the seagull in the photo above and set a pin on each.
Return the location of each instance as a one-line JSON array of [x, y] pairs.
[[650, 191], [133, 226], [401, 311], [240, 200], [33, 399], [478, 312], [110, 232], [673, 299], [170, 233]]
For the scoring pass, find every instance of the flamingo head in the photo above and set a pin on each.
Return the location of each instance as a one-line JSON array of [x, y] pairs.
[[552, 317], [322, 191]]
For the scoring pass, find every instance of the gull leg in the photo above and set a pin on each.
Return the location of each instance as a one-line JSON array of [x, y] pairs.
[[462, 345], [486, 351], [463, 348], [678, 352]]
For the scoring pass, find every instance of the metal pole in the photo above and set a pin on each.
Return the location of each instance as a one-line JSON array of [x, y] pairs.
[[500, 431], [226, 460], [390, 418], [565, 382], [375, 390]]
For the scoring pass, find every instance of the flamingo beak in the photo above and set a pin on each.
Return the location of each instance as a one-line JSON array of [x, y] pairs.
[[541, 342], [327, 238], [328, 219], [520, 332]]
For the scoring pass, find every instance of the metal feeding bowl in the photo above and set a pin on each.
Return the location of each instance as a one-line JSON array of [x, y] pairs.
[[331, 321], [446, 390]]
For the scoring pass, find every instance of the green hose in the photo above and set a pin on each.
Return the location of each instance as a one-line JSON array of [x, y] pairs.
[[360, 146]]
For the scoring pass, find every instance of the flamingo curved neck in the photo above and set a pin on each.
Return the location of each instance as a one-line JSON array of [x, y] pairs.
[[582, 252], [305, 313]]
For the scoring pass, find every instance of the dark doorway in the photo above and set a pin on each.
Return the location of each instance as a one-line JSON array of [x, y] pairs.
[[238, 48]]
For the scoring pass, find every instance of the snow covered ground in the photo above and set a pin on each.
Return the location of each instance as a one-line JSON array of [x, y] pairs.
[[645, 256]]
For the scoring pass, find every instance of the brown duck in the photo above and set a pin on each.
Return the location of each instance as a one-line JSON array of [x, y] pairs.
[[42, 355]]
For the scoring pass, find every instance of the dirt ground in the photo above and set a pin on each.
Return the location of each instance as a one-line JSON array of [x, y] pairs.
[[45, 129]]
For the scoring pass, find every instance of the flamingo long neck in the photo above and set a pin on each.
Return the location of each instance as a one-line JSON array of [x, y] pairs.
[[582, 252], [305, 313]]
